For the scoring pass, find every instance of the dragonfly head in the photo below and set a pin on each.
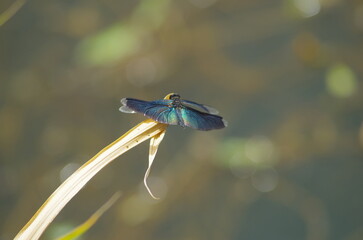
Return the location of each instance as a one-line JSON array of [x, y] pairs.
[[172, 96]]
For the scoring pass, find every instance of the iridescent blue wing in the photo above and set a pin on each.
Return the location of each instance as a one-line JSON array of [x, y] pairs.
[[131, 105], [162, 113], [199, 107], [157, 110], [201, 121]]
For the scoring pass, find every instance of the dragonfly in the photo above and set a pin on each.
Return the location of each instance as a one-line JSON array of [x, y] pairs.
[[173, 110]]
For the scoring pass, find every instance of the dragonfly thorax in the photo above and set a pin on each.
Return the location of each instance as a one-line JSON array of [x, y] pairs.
[[176, 100], [177, 103]]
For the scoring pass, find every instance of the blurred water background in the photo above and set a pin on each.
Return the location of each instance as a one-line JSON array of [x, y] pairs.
[[286, 74]]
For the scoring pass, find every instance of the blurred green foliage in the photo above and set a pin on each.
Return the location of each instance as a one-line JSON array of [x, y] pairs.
[[286, 74], [123, 39]]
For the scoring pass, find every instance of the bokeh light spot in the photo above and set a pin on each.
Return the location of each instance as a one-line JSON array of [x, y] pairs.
[[341, 81], [231, 153], [308, 49], [135, 210], [244, 156], [308, 8], [260, 150], [265, 180], [68, 170]]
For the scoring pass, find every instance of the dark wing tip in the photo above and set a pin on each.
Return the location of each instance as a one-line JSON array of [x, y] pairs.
[[125, 108]]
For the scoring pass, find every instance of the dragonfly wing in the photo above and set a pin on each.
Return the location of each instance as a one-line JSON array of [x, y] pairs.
[[199, 107], [125, 108], [202, 121], [162, 114], [131, 105], [156, 110]]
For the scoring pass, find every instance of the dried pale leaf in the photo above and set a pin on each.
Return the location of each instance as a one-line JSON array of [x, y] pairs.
[[154, 144], [69, 188], [84, 227]]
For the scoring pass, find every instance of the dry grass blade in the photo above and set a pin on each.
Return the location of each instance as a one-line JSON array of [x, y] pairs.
[[68, 189]]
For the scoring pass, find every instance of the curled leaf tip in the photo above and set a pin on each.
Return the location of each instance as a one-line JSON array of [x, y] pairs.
[[154, 144], [147, 186]]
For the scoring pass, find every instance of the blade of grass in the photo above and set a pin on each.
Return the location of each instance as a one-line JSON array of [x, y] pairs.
[[83, 228], [11, 11], [69, 188]]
